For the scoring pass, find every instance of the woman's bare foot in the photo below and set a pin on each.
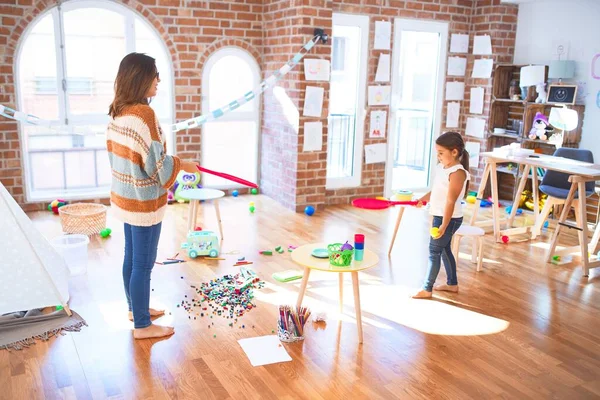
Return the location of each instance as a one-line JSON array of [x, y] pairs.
[[446, 288], [423, 294], [153, 331], [153, 313]]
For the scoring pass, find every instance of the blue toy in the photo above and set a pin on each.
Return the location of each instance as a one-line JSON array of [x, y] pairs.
[[201, 243], [185, 181], [309, 210], [546, 224], [235, 193], [509, 209]]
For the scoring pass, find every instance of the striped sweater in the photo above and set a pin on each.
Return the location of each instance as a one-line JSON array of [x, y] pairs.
[[142, 172]]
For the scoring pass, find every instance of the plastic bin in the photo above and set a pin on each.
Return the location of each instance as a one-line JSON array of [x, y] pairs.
[[74, 250]]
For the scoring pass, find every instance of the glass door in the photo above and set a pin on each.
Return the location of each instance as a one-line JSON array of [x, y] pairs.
[[419, 59]]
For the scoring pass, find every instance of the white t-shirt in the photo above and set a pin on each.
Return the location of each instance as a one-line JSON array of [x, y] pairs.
[[439, 191]]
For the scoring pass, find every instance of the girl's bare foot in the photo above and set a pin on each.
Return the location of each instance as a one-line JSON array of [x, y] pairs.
[[153, 331], [446, 288], [423, 294], [153, 313]]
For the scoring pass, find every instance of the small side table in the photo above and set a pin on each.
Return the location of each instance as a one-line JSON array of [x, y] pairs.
[[197, 195], [302, 256]]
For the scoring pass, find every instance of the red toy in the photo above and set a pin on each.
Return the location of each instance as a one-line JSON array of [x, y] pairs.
[[378, 204]]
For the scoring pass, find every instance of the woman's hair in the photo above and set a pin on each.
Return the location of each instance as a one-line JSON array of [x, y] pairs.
[[136, 74], [454, 141]]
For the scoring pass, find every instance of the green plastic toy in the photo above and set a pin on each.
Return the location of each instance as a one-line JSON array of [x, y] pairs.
[[105, 232]]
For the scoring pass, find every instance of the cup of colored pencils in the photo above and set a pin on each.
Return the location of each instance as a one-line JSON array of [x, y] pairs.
[[290, 327]]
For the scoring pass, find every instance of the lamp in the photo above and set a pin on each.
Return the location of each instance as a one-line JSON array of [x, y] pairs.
[[564, 119], [531, 75], [561, 69]]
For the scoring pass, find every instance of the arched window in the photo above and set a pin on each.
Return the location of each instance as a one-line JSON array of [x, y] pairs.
[[230, 143], [66, 66]]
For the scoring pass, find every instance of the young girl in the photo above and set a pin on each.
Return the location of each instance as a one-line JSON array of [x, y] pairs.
[[141, 174], [449, 187]]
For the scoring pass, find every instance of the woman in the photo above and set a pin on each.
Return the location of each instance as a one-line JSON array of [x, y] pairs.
[[142, 173]]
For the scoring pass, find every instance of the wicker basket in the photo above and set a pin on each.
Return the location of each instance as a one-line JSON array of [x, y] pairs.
[[83, 218]]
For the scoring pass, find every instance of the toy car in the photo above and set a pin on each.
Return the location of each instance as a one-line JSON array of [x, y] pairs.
[[201, 243]]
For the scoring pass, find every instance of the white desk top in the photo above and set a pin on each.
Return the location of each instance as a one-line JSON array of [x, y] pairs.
[[560, 164], [201, 194]]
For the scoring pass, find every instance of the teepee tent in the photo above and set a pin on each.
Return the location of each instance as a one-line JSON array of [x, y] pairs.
[[32, 274]]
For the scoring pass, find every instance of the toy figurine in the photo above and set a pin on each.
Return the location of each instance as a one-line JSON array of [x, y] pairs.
[[185, 181], [541, 128]]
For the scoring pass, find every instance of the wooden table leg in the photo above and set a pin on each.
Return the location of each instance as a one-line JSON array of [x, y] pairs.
[[517, 199], [563, 218], [495, 213], [303, 286], [400, 212], [484, 179], [357, 305], [191, 216], [216, 203], [534, 189], [583, 233], [341, 277]]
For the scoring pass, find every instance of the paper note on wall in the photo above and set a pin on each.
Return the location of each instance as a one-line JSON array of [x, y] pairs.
[[476, 103], [375, 153], [313, 101], [476, 127], [452, 115], [377, 124], [457, 66], [459, 43], [316, 70], [473, 149], [379, 95], [313, 136], [383, 68], [455, 90], [482, 45], [482, 68], [383, 35]]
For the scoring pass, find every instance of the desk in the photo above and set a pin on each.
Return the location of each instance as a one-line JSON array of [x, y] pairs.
[[302, 256], [580, 173], [197, 195]]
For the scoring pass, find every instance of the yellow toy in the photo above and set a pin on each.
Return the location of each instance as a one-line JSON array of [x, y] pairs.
[[471, 199], [434, 232]]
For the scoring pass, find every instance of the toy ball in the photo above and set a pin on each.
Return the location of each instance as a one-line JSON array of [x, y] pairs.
[[434, 232], [235, 193], [252, 209], [505, 239], [546, 224], [471, 199], [105, 232], [198, 228], [254, 191], [309, 210]]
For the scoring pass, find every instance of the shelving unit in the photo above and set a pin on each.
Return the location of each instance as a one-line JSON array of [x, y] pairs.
[[505, 110]]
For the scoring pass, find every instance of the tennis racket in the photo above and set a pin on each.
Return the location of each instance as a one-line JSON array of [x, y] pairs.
[[378, 204], [228, 177]]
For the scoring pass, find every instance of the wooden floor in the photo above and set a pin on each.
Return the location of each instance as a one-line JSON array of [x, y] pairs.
[[519, 329]]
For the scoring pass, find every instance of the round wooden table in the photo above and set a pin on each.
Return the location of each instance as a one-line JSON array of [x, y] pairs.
[[302, 256], [197, 195]]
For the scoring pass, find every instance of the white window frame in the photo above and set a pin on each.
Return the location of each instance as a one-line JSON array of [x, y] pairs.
[[238, 115], [65, 117], [361, 21], [417, 26]]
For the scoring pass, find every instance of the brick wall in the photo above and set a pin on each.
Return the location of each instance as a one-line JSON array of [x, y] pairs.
[[192, 30], [272, 31]]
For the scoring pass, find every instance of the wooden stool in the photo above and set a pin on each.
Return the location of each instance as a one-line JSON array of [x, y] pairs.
[[477, 251]]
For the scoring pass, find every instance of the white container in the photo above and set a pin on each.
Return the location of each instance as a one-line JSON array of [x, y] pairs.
[[74, 250]]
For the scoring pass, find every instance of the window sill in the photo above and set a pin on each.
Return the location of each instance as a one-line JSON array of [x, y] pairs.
[[85, 194]]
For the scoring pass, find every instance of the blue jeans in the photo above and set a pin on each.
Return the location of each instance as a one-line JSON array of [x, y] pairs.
[[439, 249], [141, 246]]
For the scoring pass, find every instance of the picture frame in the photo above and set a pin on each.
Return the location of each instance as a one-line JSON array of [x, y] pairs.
[[562, 94]]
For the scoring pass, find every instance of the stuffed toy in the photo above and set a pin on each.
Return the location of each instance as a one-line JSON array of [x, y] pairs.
[[540, 88], [541, 128], [185, 181]]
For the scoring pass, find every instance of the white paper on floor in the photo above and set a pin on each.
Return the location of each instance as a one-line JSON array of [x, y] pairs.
[[264, 350]]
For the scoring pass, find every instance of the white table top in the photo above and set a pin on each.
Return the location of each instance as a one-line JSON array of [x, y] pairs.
[[201, 194], [302, 255], [560, 164]]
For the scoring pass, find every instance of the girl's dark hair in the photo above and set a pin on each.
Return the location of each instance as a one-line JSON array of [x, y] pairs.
[[136, 74], [454, 141]]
